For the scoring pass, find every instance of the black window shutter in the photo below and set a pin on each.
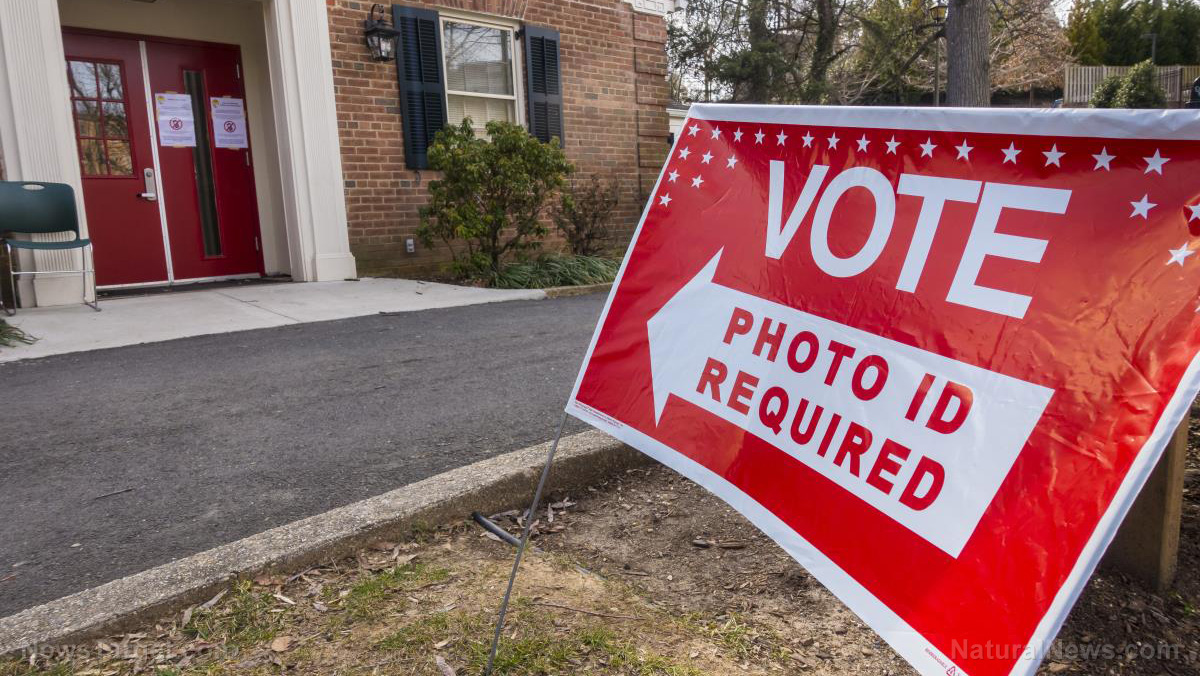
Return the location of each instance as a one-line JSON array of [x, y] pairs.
[[543, 83], [419, 68]]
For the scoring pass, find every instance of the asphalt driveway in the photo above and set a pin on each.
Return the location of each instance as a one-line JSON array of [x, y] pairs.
[[118, 460]]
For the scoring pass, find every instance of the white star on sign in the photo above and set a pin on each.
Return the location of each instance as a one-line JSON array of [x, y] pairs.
[[863, 143], [964, 151], [1142, 207], [672, 176], [1010, 153], [1195, 213], [683, 154], [1155, 163], [892, 145], [665, 200], [833, 141], [807, 138], [1178, 255], [694, 129], [706, 158], [1053, 156], [731, 162], [927, 148], [696, 182], [780, 138], [759, 136], [1103, 160], [716, 132], [737, 134]]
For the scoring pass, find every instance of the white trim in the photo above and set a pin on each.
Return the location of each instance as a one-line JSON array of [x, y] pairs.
[[1173, 124], [480, 95], [306, 124], [158, 185], [1062, 122], [516, 53], [657, 7]]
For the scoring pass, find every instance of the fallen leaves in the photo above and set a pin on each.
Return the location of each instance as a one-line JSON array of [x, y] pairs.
[[281, 644]]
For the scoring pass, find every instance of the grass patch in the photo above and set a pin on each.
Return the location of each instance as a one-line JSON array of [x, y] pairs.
[[735, 636], [242, 619], [538, 647], [11, 336], [15, 667], [368, 596], [548, 271]]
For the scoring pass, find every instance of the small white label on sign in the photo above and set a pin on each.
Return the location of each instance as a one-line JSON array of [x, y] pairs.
[[176, 125], [229, 122]]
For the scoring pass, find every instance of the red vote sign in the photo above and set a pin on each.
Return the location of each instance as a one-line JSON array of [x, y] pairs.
[[932, 353]]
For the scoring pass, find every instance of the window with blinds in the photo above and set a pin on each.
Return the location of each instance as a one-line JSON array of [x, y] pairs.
[[480, 76]]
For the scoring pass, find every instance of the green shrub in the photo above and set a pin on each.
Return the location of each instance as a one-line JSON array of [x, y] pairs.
[[548, 271], [1137, 88], [583, 213], [491, 195]]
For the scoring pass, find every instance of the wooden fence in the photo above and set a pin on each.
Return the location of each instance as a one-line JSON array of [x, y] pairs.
[[1081, 81]]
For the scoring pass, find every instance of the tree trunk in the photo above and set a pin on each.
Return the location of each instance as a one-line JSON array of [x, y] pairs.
[[822, 50], [968, 36], [758, 82]]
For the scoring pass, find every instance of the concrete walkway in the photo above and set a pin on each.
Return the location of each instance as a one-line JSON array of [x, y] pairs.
[[180, 314]]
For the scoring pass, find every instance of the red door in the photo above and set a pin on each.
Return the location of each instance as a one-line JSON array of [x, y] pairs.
[[212, 211], [112, 135], [159, 209]]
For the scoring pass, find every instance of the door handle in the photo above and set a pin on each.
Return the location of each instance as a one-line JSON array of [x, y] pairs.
[[151, 193]]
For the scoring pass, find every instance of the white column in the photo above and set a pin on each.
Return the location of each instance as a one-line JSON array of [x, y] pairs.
[[309, 152], [37, 133]]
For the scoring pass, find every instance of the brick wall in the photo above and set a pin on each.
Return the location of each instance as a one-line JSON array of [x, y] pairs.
[[614, 117]]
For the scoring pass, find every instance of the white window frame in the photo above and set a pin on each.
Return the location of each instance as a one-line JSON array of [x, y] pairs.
[[516, 49]]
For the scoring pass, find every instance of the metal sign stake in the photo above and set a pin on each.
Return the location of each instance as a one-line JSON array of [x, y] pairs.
[[529, 516]]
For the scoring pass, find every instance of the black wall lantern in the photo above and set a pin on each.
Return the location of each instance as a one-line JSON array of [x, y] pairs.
[[381, 37]]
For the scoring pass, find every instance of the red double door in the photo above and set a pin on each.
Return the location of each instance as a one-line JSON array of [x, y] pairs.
[[169, 196]]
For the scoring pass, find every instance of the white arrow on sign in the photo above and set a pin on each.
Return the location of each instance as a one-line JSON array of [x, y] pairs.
[[848, 437]]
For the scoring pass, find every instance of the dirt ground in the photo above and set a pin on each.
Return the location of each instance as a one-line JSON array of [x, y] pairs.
[[645, 575]]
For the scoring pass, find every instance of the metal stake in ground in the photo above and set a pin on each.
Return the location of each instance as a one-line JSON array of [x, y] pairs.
[[512, 577]]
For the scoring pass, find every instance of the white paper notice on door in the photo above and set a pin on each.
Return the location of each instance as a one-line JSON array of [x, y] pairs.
[[176, 124], [229, 122]]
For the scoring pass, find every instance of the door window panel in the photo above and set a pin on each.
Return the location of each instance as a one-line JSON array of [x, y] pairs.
[[87, 119], [110, 81], [101, 121], [91, 157], [83, 79], [210, 231], [119, 161]]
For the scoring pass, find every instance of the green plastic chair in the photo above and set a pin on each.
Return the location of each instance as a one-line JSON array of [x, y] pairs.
[[35, 208]]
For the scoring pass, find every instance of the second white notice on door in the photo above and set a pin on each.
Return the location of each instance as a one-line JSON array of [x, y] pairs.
[[229, 122]]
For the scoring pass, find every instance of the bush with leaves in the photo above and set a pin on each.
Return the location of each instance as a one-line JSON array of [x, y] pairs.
[[491, 195], [583, 212], [1137, 88]]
